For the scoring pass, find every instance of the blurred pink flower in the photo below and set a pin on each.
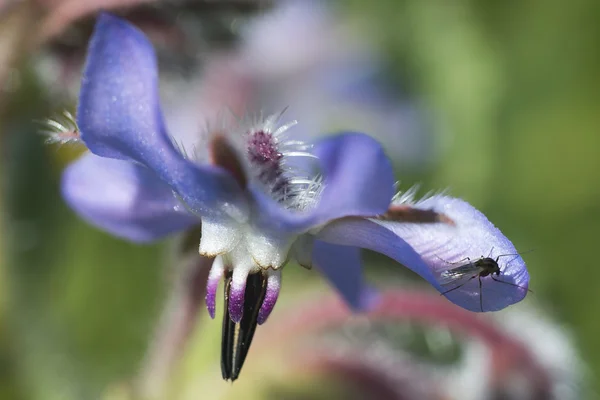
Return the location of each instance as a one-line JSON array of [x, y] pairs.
[[376, 355]]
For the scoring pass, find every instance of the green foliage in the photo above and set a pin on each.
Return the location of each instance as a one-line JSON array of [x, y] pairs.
[[515, 86]]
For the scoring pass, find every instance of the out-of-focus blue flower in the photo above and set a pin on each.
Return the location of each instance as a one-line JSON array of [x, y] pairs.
[[330, 73], [326, 70], [258, 207]]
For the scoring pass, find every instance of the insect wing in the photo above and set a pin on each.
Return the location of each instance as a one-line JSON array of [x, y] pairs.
[[459, 274]]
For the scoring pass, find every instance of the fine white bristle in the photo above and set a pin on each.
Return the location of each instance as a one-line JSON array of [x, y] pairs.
[[409, 196], [268, 157], [62, 129]]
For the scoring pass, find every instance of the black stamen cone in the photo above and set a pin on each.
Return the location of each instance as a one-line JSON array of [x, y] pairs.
[[236, 338]]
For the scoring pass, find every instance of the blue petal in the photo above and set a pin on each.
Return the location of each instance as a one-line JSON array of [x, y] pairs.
[[358, 181], [123, 198], [430, 249], [367, 234], [342, 265], [119, 117]]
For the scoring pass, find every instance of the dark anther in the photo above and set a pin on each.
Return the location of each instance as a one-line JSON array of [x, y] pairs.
[[236, 338], [405, 213], [225, 156]]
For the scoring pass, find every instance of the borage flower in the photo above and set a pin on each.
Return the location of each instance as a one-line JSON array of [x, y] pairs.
[[261, 199]]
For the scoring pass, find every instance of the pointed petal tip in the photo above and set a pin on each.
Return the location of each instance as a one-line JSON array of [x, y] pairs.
[[271, 295], [237, 292], [210, 307], [236, 308], [212, 284]]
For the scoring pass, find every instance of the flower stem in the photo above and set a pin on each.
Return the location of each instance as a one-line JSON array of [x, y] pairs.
[[174, 327]]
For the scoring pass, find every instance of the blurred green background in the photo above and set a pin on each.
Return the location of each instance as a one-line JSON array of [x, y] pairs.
[[516, 83]]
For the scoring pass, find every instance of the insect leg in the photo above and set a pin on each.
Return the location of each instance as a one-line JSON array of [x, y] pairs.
[[515, 254], [512, 284], [462, 284], [480, 294]]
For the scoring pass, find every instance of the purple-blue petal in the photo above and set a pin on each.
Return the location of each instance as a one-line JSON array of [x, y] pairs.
[[342, 266], [119, 117], [367, 234], [119, 111], [444, 247], [431, 249], [358, 181], [123, 198]]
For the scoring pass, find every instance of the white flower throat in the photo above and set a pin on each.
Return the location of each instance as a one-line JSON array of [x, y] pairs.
[[259, 153]]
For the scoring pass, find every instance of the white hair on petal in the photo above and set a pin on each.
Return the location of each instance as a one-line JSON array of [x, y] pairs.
[[409, 196]]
